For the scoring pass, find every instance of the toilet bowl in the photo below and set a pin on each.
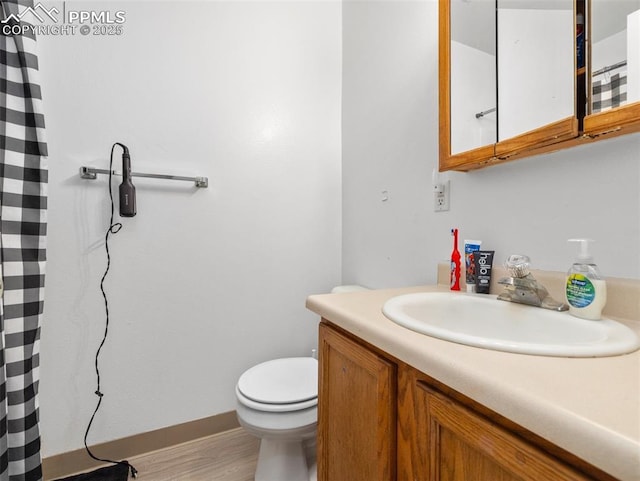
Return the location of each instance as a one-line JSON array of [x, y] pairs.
[[277, 402]]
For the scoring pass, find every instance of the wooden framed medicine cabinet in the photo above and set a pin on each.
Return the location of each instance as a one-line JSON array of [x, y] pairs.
[[515, 81]]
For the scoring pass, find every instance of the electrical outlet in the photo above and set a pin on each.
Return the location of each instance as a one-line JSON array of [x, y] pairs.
[[441, 196]]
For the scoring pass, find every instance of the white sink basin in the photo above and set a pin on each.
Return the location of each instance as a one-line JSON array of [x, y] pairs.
[[483, 321]]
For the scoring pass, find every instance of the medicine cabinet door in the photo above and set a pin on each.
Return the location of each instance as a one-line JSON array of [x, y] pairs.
[[536, 74], [613, 103], [468, 130]]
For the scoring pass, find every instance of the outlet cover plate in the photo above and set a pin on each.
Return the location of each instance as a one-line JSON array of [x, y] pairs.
[[441, 197]]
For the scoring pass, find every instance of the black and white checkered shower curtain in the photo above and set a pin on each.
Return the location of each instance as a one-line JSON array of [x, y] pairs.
[[23, 204], [609, 89]]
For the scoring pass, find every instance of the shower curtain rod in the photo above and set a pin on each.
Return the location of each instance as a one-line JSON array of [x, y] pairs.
[[91, 173], [609, 68], [482, 114]]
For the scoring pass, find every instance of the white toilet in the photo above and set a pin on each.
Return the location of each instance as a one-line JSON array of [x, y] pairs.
[[277, 402]]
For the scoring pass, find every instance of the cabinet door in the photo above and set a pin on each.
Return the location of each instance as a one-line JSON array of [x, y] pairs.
[[614, 68], [464, 146], [356, 411], [536, 74], [465, 446]]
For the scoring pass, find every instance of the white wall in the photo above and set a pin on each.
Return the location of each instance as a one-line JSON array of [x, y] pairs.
[[390, 134], [389, 140], [203, 283]]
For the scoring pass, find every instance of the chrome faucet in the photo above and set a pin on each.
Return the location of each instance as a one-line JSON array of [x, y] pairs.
[[523, 288]]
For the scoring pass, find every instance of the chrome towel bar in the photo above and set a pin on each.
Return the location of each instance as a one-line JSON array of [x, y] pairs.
[[92, 173]]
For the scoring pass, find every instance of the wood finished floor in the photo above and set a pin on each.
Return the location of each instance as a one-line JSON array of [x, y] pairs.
[[228, 456]]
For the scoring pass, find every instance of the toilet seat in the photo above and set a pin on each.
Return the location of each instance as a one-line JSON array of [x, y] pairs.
[[280, 385], [275, 408]]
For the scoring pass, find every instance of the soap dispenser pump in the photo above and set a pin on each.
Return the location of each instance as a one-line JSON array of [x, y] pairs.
[[586, 289]]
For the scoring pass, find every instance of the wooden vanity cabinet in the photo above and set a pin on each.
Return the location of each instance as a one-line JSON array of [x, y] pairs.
[[380, 419]]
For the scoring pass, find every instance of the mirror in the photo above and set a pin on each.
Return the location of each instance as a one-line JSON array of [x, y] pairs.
[[615, 54], [473, 75], [536, 64]]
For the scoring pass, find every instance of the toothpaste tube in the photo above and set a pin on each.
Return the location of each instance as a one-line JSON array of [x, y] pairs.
[[484, 262], [471, 246]]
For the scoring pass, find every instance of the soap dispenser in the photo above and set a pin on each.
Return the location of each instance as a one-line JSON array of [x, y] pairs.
[[586, 289]]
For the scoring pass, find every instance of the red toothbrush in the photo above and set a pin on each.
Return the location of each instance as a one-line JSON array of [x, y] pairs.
[[455, 262]]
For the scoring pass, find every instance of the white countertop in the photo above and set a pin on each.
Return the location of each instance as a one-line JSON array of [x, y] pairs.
[[587, 406]]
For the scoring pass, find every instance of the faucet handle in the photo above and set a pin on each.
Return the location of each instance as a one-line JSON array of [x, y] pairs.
[[518, 265]]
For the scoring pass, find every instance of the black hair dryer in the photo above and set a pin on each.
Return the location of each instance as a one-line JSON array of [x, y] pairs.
[[127, 189]]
